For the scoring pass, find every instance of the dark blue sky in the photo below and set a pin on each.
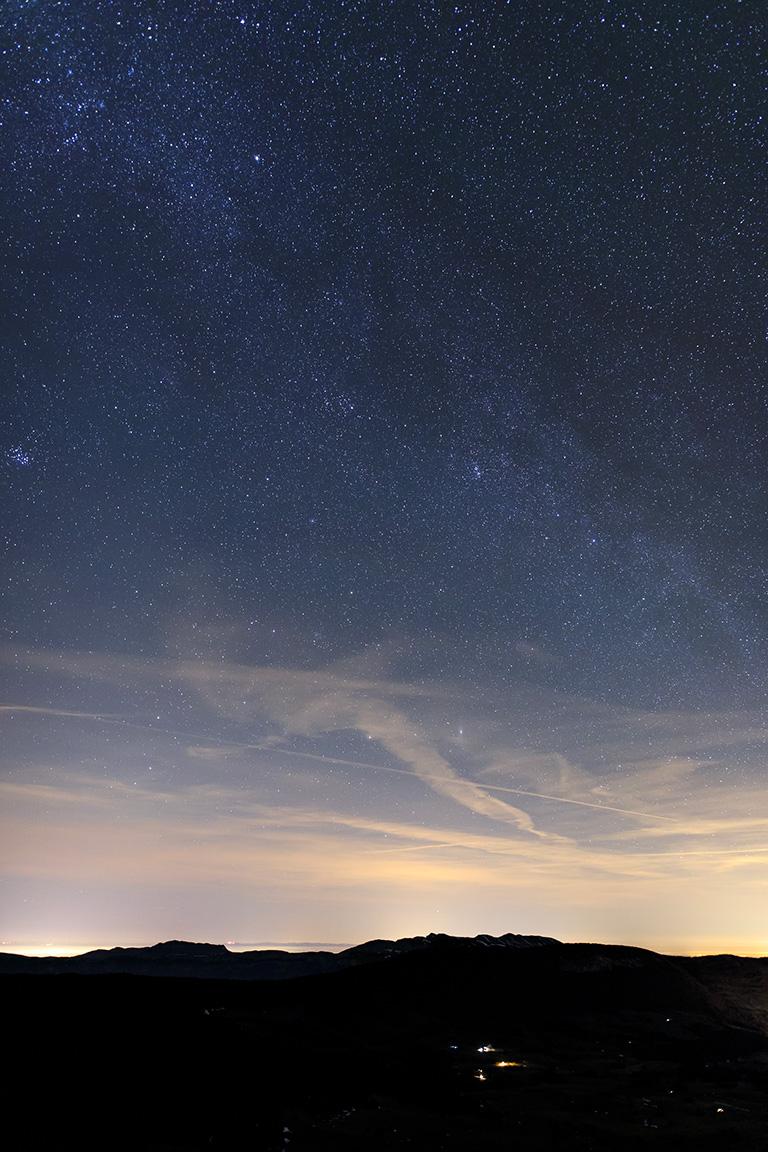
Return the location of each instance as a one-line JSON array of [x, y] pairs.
[[422, 343]]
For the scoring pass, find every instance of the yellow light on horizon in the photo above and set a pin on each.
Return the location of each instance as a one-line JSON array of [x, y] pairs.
[[42, 950]]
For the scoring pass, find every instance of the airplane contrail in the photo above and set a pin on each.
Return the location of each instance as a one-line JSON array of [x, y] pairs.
[[43, 711], [276, 750]]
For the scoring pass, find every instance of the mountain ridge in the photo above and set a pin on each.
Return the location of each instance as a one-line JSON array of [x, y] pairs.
[[738, 985], [207, 960], [432, 1041]]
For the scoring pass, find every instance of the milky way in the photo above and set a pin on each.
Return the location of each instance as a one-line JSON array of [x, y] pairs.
[[384, 471]]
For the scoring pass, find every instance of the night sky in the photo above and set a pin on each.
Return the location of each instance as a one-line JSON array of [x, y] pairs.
[[383, 458]]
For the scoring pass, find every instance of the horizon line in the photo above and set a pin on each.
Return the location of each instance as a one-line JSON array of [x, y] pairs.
[[50, 950]]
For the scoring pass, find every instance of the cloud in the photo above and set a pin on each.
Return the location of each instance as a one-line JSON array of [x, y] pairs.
[[538, 792], [212, 752], [406, 740], [314, 703]]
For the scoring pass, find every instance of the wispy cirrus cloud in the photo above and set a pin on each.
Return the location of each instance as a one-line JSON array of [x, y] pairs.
[[348, 783]]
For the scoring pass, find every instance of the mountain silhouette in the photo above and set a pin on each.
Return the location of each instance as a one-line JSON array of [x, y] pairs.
[[432, 1041], [215, 961]]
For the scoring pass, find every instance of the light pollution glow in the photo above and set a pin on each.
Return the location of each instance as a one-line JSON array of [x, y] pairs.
[[345, 806]]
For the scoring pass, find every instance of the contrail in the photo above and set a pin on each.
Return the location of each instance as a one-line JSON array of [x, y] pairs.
[[277, 751], [42, 711], [582, 803], [426, 776]]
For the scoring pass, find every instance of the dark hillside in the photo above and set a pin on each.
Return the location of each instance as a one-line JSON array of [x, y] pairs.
[[452, 1045]]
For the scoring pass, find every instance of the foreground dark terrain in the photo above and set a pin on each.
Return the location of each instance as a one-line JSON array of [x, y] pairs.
[[515, 1043]]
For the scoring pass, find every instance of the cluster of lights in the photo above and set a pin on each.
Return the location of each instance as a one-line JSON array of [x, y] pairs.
[[19, 456], [484, 1050]]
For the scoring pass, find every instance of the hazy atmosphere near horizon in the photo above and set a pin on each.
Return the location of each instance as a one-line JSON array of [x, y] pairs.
[[384, 472]]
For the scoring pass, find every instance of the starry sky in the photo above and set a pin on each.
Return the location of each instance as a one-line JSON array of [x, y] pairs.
[[383, 461]]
